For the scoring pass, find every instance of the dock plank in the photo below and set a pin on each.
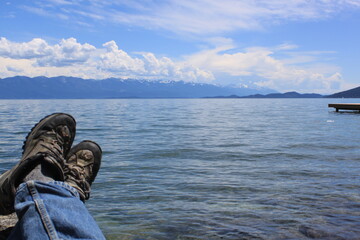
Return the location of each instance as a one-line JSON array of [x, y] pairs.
[[345, 106]]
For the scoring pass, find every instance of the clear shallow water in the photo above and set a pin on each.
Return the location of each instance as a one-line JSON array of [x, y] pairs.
[[212, 168]]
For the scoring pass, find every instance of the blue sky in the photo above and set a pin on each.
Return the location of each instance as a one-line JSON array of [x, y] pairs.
[[298, 45]]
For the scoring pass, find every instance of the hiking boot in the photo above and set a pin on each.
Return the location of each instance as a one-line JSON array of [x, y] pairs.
[[54, 134], [81, 167], [45, 145]]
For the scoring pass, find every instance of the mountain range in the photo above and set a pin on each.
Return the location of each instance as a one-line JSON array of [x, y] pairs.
[[21, 87], [352, 93], [277, 95]]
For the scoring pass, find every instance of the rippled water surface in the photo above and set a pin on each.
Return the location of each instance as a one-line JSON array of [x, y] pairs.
[[212, 168]]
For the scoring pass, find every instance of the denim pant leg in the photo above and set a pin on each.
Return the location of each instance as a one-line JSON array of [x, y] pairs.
[[52, 211]]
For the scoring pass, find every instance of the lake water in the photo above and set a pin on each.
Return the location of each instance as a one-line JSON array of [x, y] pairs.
[[212, 168]]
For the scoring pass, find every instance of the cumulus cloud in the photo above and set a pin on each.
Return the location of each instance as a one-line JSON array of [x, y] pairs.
[[72, 58], [294, 70], [193, 16], [35, 48], [67, 52], [118, 61], [301, 72]]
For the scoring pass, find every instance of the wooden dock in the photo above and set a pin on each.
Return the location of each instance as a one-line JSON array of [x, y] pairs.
[[345, 106]]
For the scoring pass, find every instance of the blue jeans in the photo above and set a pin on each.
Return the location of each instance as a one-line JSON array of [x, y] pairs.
[[52, 211]]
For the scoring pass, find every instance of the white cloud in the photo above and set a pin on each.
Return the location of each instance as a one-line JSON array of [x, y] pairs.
[[35, 48], [286, 46], [197, 17], [302, 73], [71, 58], [67, 52], [117, 60]]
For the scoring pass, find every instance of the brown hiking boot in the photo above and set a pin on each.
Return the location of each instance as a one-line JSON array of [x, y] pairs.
[[81, 167], [45, 145]]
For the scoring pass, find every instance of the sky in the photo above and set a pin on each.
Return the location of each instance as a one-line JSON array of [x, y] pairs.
[[285, 45]]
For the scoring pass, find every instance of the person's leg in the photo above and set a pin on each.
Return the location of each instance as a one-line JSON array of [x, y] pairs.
[[52, 210], [43, 157], [47, 189]]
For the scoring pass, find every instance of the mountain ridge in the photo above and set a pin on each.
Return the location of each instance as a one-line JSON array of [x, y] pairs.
[[277, 95], [62, 87], [351, 93]]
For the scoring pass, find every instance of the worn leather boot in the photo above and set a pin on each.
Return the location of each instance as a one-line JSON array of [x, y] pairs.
[[81, 167], [46, 145]]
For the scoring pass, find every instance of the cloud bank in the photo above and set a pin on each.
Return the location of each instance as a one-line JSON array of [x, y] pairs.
[[294, 70], [71, 58], [263, 66]]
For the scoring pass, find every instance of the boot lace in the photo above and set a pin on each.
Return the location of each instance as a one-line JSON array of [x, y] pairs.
[[76, 175], [53, 143]]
